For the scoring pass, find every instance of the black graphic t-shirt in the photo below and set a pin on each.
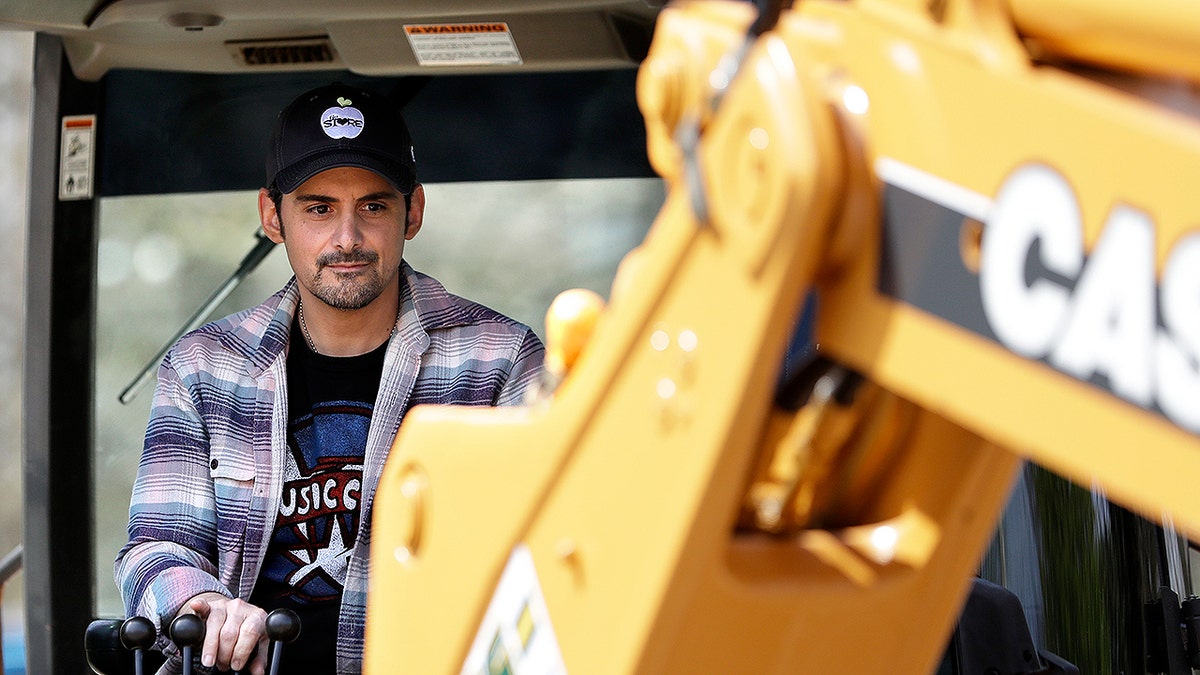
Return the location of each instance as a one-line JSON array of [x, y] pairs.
[[330, 401]]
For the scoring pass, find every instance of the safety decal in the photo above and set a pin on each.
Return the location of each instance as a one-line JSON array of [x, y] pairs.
[[77, 155], [463, 44], [516, 637]]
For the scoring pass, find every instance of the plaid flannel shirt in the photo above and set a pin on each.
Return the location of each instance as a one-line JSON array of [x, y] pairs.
[[208, 485]]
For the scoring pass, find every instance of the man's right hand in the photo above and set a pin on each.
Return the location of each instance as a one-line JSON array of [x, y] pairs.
[[234, 632]]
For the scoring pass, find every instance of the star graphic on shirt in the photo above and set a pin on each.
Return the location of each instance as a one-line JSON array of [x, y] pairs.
[[330, 560]]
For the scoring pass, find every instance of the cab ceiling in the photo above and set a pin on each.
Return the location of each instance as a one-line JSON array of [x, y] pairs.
[[363, 36]]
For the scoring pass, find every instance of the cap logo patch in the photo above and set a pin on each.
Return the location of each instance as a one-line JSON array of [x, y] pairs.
[[342, 122]]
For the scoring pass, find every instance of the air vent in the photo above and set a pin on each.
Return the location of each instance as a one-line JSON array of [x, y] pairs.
[[289, 52]]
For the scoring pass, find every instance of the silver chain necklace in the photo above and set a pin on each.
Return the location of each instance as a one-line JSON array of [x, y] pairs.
[[309, 340]]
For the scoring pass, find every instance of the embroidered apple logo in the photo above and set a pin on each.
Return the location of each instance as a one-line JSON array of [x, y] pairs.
[[342, 122]]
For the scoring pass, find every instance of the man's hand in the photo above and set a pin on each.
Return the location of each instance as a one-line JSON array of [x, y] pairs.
[[234, 632]]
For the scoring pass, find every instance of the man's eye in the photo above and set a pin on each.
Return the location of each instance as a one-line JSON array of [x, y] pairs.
[[319, 209], [374, 207]]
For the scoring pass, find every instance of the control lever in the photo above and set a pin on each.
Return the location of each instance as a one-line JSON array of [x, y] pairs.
[[187, 632], [137, 635], [283, 626]]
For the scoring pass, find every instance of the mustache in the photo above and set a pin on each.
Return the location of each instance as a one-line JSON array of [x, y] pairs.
[[340, 257]]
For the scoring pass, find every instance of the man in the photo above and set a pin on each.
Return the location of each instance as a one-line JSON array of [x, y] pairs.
[[269, 428]]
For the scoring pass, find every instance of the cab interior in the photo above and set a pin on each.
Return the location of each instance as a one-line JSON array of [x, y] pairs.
[[528, 139], [532, 150]]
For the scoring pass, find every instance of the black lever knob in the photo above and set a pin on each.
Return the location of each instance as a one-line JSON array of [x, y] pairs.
[[137, 633], [187, 631], [283, 626]]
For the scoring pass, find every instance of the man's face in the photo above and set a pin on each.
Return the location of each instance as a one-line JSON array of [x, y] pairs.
[[344, 231]]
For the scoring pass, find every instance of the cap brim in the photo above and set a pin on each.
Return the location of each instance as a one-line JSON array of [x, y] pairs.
[[291, 177]]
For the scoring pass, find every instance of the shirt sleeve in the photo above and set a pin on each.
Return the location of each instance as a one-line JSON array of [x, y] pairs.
[[172, 550], [526, 369]]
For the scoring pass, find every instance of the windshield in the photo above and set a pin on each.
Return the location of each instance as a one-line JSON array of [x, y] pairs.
[[511, 245]]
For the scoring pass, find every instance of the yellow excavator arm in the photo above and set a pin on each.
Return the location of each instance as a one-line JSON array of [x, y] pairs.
[[987, 206]]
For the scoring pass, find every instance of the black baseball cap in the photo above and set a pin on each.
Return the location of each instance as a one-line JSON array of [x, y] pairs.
[[340, 125]]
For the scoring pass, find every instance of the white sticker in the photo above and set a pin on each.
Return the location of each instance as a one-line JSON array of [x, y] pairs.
[[463, 44], [516, 637], [77, 156]]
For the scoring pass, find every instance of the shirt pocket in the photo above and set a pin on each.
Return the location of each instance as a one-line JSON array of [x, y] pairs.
[[233, 485]]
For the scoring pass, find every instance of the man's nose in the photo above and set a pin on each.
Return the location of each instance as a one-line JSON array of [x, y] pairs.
[[347, 234]]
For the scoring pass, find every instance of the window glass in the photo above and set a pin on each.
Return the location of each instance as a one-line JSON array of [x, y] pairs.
[[16, 69], [510, 245]]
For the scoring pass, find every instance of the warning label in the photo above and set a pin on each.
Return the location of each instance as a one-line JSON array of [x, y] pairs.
[[516, 635], [463, 44], [77, 155]]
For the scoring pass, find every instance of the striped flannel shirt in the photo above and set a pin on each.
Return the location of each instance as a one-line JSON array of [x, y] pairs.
[[210, 478]]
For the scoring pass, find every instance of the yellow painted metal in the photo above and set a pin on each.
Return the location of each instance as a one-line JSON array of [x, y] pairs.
[[1157, 38], [639, 486], [1113, 148]]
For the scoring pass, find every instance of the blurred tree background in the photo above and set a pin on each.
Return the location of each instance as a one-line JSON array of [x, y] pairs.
[[16, 70]]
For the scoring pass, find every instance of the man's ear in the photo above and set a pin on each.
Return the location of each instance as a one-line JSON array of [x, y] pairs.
[[416, 212], [269, 216]]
